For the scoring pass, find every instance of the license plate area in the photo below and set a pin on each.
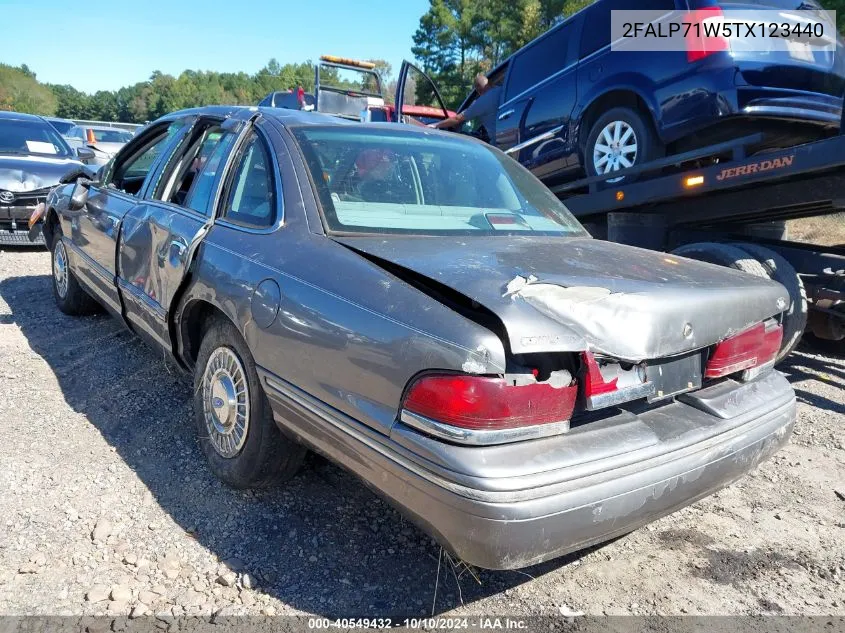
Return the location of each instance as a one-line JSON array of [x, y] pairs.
[[676, 375]]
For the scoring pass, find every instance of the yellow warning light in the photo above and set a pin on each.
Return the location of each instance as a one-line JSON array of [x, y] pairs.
[[347, 62], [620, 196], [694, 181]]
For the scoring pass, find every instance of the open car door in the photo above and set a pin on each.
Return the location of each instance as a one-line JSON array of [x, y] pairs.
[[417, 98]]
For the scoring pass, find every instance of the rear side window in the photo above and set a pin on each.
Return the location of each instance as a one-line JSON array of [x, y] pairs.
[[192, 170], [540, 61], [251, 197]]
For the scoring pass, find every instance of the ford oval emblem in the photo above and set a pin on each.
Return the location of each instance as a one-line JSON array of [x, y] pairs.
[[7, 197], [217, 402]]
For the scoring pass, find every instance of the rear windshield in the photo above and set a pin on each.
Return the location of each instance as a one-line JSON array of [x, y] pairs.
[[349, 79], [372, 180], [112, 136]]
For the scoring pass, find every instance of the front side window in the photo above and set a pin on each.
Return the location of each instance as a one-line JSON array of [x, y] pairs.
[[413, 182], [251, 198], [61, 126], [132, 165]]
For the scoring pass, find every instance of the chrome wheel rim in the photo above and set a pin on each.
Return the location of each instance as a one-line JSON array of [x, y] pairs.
[[60, 271], [615, 149], [225, 397]]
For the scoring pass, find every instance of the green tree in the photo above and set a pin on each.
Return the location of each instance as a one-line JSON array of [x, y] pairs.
[[71, 103], [448, 43], [21, 92]]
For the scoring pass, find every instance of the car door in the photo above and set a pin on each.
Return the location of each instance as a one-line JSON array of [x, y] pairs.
[[534, 120], [415, 88], [160, 235], [94, 229]]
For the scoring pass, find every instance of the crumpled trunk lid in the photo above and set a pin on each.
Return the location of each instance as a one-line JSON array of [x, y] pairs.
[[557, 294]]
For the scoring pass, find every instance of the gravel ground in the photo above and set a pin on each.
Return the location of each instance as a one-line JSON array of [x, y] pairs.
[[107, 507]]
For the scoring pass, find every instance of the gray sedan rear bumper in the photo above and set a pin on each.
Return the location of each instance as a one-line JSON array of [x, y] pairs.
[[498, 508]]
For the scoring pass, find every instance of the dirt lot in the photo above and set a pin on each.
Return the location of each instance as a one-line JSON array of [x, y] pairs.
[[107, 506]]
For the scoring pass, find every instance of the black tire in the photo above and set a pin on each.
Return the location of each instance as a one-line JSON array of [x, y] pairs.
[[648, 145], [74, 300], [795, 318], [266, 456], [723, 255]]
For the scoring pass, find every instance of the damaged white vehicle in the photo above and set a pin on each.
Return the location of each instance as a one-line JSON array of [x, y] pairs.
[[417, 307]]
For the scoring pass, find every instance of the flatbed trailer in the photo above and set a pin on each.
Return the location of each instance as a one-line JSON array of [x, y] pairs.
[[720, 205]]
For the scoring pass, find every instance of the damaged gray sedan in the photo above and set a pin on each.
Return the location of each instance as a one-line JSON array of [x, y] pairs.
[[418, 308]]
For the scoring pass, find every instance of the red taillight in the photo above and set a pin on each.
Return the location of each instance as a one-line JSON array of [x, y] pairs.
[[480, 403], [754, 347], [701, 37], [611, 383], [596, 384]]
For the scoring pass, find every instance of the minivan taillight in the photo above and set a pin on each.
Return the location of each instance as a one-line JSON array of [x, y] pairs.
[[702, 36], [755, 347], [481, 403]]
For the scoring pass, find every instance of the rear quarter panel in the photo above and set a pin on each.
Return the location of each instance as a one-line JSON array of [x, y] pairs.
[[346, 332], [681, 97]]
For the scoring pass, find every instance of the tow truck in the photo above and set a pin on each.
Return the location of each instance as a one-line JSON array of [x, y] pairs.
[[719, 204]]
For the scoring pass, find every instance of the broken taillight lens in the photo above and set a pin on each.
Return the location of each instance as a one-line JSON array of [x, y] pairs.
[[481, 403], [754, 347], [612, 385]]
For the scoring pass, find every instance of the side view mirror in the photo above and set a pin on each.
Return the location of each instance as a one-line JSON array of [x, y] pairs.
[[85, 153], [79, 195]]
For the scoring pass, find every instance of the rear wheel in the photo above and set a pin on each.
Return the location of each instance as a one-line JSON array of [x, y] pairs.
[[795, 318], [69, 295], [619, 139], [235, 425]]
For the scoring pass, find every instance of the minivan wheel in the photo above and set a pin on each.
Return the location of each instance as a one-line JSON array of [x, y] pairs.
[[619, 139], [235, 425]]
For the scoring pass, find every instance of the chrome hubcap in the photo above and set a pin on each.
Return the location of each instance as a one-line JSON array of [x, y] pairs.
[[60, 271], [615, 149], [225, 398]]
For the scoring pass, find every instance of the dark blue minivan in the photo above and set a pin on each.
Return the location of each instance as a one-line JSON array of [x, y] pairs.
[[570, 106]]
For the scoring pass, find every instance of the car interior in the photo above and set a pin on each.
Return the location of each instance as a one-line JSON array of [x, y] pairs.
[[130, 172]]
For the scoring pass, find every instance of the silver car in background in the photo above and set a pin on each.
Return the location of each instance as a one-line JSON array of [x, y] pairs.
[[103, 140]]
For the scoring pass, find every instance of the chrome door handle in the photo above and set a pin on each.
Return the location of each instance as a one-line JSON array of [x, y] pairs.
[[507, 113], [177, 251]]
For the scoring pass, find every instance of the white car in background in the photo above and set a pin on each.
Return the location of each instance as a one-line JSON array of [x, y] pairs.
[[103, 140]]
